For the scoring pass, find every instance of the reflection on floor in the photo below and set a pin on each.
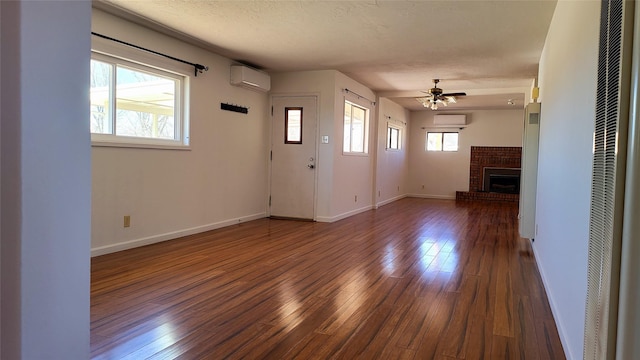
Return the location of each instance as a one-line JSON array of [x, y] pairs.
[[415, 279]]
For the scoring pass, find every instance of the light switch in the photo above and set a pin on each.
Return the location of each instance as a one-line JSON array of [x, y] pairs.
[[325, 139]]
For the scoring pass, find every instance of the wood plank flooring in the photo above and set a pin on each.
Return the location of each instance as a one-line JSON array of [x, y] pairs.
[[415, 279]]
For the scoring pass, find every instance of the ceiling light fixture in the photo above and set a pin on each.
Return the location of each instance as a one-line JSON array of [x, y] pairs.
[[435, 97]]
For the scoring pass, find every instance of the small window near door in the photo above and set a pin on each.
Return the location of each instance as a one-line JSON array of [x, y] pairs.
[[442, 141], [293, 125], [393, 138]]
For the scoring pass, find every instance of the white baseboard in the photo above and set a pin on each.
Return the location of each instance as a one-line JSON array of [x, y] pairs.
[[343, 215], [389, 201], [430, 196], [130, 244], [554, 307]]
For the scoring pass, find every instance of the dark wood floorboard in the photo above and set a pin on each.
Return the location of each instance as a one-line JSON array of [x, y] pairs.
[[415, 279]]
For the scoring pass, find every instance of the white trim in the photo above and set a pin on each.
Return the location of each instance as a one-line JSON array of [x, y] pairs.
[[329, 219], [95, 143], [130, 244], [433, 196], [389, 201]]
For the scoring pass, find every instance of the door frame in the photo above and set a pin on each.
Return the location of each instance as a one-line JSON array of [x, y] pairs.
[[318, 161]]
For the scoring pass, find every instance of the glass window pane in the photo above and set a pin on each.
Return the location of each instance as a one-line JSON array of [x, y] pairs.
[[394, 135], [99, 92], [346, 141], [434, 141], [450, 142], [293, 126], [144, 105], [357, 129]]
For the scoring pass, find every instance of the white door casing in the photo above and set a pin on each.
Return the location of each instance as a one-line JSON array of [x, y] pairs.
[[293, 160]]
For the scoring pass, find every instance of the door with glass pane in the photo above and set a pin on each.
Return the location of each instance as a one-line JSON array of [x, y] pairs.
[[293, 157]]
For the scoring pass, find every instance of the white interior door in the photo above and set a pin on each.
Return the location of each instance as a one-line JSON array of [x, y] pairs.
[[293, 157]]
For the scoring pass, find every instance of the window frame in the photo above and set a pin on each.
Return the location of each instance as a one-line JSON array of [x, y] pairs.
[[365, 132], [181, 138], [443, 133], [390, 129], [286, 125]]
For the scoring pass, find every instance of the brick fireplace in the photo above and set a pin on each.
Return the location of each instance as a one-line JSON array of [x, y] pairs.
[[501, 161]]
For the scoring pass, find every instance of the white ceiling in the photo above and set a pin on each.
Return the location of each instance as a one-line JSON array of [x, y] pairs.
[[488, 49]]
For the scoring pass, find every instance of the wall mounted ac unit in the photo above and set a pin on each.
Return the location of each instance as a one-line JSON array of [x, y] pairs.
[[450, 120], [250, 78]]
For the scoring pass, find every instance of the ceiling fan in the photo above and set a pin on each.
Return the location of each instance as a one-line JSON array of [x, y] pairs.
[[436, 97]]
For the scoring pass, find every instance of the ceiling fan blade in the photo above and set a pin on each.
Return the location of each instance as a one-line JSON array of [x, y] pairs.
[[455, 94], [425, 101]]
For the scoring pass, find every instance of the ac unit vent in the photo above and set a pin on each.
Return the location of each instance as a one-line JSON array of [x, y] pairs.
[[250, 78], [450, 120], [534, 118]]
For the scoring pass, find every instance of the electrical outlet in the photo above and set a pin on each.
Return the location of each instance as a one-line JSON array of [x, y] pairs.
[[356, 198], [398, 188], [127, 221], [422, 186]]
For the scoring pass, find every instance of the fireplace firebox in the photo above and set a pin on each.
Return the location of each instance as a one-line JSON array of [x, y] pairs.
[[501, 180]]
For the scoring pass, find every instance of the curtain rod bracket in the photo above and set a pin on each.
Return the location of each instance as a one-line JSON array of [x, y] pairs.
[[198, 69]]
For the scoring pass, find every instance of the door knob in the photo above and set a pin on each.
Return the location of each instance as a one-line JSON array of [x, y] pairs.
[[311, 166]]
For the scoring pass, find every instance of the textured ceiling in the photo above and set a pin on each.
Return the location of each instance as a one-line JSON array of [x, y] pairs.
[[490, 49]]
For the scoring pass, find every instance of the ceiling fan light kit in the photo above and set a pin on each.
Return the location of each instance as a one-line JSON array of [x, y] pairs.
[[436, 97]]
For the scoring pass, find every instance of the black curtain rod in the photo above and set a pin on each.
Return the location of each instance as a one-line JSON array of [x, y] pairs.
[[198, 68], [359, 96]]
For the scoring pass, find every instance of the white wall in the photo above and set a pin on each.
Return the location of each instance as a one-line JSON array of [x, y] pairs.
[[45, 179], [441, 174], [567, 81], [352, 174], [340, 177], [392, 166], [222, 180]]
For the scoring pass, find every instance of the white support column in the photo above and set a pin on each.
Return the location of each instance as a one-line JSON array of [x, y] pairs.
[[45, 179]]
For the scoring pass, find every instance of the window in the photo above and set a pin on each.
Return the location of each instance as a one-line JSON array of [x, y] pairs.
[[393, 138], [442, 141], [136, 104], [356, 129], [293, 125]]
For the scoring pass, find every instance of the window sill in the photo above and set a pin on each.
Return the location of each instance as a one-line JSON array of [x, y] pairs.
[[139, 146], [355, 154]]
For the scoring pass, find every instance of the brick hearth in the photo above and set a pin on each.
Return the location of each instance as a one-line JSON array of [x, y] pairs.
[[489, 156]]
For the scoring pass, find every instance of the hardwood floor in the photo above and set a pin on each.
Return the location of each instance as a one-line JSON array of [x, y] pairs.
[[415, 279]]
